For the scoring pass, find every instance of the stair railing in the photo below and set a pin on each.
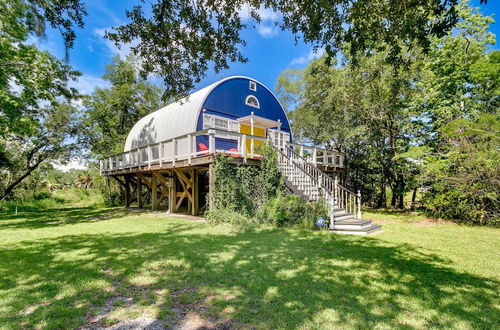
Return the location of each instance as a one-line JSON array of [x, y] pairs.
[[337, 196]]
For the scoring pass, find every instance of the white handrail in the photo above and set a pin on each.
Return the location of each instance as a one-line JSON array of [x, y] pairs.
[[315, 180]]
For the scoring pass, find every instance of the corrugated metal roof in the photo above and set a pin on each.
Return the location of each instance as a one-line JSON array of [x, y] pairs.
[[175, 119]]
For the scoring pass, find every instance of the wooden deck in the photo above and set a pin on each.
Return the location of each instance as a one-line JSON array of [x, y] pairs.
[[178, 169]]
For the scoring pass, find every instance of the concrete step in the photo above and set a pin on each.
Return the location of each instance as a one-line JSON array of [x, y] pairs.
[[371, 230], [352, 224]]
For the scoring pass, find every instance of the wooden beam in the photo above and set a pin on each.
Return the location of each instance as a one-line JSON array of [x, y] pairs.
[[144, 179], [140, 201], [174, 193], [127, 192], [194, 178], [183, 194], [186, 189], [119, 181], [154, 193], [162, 179], [211, 187], [183, 177]]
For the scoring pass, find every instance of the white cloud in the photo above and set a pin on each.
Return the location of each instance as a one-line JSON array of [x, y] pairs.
[[265, 14], [75, 163], [313, 54], [267, 31], [87, 83], [124, 49], [266, 28]]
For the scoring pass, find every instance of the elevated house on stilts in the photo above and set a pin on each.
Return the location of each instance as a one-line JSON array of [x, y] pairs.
[[168, 153]]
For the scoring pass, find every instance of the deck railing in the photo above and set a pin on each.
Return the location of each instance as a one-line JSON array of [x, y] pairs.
[[186, 148], [318, 156]]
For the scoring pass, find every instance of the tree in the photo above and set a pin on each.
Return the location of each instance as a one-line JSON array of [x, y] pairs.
[[455, 78], [179, 39], [464, 178], [109, 113], [34, 93], [360, 109], [49, 140]]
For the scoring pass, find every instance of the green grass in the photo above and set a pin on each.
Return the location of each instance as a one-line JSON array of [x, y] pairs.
[[77, 264]]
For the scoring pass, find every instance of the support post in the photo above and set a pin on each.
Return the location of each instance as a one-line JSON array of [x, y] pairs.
[[251, 133], [244, 148], [336, 191], [194, 192], [359, 204], [154, 193], [315, 155], [211, 185], [211, 141], [140, 202], [174, 192], [127, 192], [171, 194]]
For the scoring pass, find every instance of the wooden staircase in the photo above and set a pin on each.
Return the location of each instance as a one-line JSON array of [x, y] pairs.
[[307, 181]]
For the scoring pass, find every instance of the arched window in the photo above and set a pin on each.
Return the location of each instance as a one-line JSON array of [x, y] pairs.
[[252, 101]]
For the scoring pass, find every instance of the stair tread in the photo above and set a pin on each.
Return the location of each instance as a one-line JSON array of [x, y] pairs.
[[343, 215], [365, 229], [352, 222]]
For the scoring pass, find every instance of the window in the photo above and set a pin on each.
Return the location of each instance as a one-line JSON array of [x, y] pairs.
[[252, 101], [253, 86], [221, 123], [337, 160]]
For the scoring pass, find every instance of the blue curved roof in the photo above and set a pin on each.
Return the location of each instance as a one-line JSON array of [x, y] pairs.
[[228, 99]]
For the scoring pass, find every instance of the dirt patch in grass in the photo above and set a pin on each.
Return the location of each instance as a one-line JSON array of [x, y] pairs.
[[193, 315], [434, 222]]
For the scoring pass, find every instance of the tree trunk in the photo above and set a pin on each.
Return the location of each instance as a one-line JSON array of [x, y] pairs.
[[401, 203], [393, 196], [413, 197], [11, 187], [382, 199]]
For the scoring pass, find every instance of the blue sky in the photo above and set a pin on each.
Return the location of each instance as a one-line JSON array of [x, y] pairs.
[[268, 49]]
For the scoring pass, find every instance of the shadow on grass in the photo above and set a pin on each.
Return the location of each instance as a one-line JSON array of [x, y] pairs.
[[271, 279], [59, 216]]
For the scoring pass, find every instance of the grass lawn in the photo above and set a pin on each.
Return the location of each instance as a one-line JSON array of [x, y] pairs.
[[78, 265]]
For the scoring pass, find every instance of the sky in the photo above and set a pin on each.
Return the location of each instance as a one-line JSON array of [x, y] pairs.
[[269, 50]]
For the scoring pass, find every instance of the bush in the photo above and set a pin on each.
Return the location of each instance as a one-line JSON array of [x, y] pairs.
[[291, 210], [229, 216], [243, 189]]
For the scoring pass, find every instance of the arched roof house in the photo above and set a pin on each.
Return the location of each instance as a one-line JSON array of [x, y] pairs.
[[236, 104], [170, 152]]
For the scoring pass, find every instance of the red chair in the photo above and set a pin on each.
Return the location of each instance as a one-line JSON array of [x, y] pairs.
[[203, 147], [234, 153]]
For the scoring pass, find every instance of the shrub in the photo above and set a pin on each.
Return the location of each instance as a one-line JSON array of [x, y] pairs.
[[291, 210], [243, 189], [228, 216]]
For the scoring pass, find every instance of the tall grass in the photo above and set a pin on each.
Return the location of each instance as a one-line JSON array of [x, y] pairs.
[[59, 198]]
